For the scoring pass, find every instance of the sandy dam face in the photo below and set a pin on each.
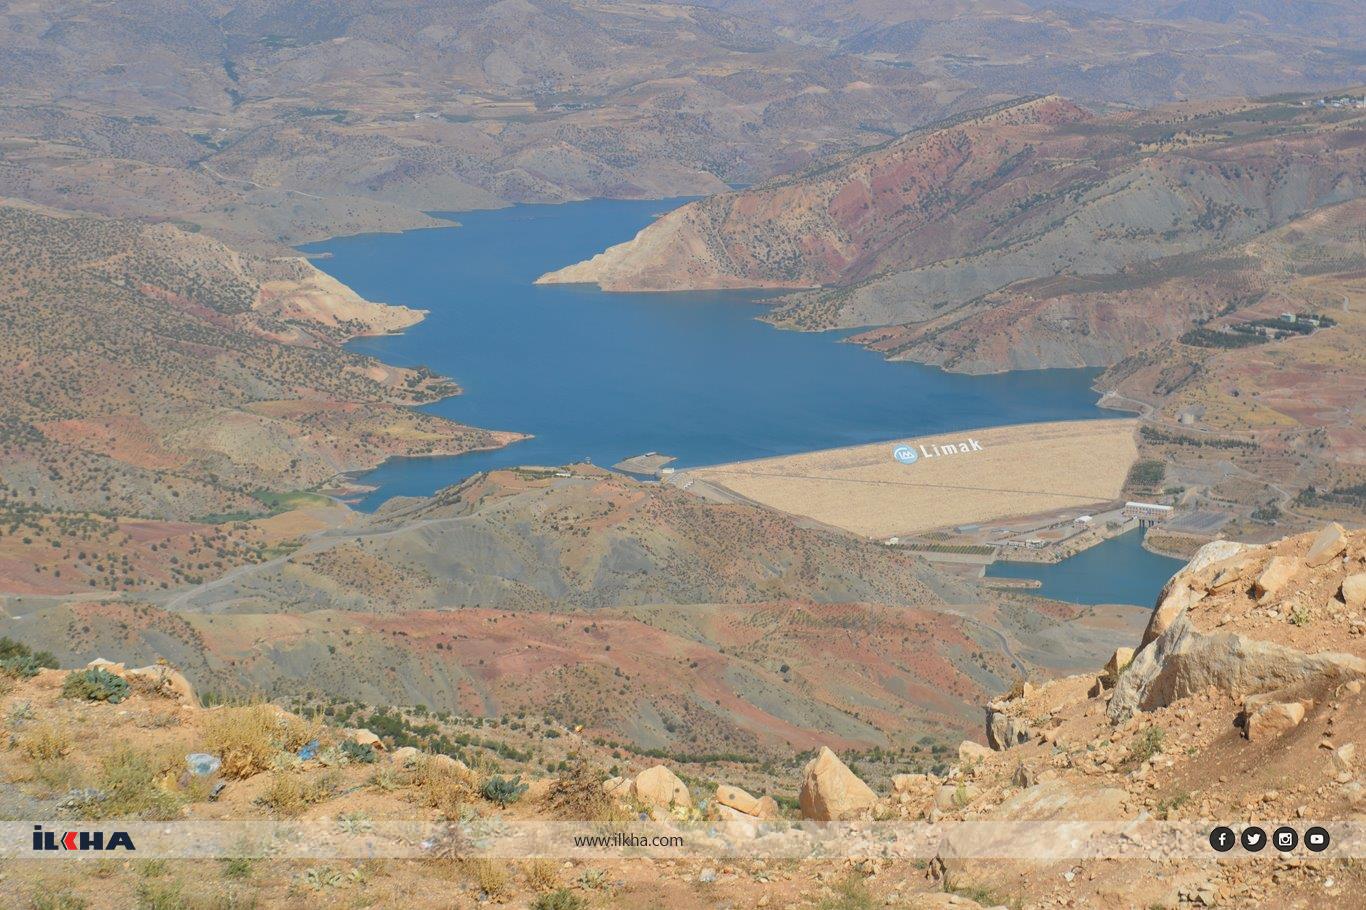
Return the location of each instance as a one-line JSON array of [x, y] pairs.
[[906, 486]]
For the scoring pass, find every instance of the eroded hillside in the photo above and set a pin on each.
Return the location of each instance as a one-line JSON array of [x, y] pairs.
[[153, 382], [915, 229], [634, 609]]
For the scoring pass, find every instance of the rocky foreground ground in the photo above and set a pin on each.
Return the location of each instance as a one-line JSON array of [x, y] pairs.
[[1242, 703]]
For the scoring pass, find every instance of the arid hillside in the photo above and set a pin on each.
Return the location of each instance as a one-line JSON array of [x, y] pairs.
[[289, 120], [914, 229], [1241, 703], [153, 373], [1275, 421], [636, 610]]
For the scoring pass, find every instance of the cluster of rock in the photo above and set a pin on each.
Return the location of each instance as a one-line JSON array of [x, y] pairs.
[[1254, 593], [661, 793]]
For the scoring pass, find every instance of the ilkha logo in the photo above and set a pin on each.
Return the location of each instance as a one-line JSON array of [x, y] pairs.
[[81, 840], [909, 455]]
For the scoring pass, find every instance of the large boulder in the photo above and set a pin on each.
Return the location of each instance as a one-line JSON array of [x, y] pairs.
[[1187, 587], [831, 792], [366, 738], [1328, 545], [972, 854], [660, 787], [1004, 729]]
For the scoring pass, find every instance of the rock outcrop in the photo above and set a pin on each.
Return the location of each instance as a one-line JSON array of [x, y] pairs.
[[1227, 619]]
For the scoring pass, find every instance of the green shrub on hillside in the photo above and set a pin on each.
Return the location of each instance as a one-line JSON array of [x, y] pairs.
[[95, 685], [17, 659], [504, 791]]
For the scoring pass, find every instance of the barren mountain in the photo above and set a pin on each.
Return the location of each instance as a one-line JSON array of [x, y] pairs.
[[286, 120], [636, 609], [914, 230], [1278, 421], [150, 371]]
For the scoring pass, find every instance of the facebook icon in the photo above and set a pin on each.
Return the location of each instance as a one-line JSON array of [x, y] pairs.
[[1222, 839]]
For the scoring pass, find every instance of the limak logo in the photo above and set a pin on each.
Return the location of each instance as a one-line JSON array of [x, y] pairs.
[[81, 840], [909, 455], [905, 454]]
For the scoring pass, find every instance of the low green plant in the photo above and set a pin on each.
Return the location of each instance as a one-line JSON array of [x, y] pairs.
[[503, 790], [60, 900], [559, 899], [354, 823], [95, 685], [1146, 745], [18, 659], [361, 753], [850, 894], [238, 867], [322, 877], [161, 895]]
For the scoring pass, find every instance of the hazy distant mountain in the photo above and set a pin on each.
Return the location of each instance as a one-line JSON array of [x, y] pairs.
[[282, 120]]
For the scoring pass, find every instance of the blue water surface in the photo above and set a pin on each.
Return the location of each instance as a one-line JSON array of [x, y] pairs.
[[604, 376], [1118, 571]]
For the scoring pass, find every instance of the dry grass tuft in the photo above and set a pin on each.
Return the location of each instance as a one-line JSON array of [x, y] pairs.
[[578, 795], [289, 794], [45, 743], [247, 738], [137, 785], [445, 785], [542, 875], [491, 876]]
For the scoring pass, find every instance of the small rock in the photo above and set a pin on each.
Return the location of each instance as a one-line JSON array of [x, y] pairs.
[[969, 751], [1273, 719], [708, 875], [906, 783], [1353, 590], [1118, 661], [1279, 570], [619, 787], [736, 799]]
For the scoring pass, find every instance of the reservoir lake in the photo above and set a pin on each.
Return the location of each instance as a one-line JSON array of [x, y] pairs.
[[1117, 571], [603, 376]]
